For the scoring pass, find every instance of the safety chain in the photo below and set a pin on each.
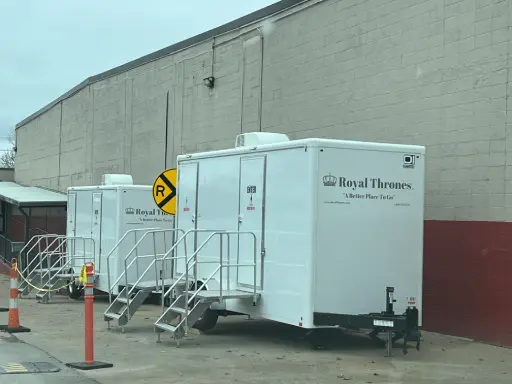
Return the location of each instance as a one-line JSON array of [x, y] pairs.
[[39, 288]]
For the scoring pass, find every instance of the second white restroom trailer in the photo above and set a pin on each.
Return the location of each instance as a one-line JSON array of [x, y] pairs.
[[115, 216], [338, 228]]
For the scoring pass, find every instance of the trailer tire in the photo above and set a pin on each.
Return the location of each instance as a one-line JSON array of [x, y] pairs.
[[207, 321], [209, 318], [74, 290]]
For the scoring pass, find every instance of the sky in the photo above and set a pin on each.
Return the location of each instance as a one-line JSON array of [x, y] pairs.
[[49, 46]]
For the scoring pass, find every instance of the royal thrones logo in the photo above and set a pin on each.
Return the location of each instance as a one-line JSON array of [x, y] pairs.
[[144, 212], [365, 183], [330, 180]]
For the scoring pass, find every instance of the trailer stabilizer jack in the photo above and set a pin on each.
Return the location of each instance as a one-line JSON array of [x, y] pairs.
[[412, 332]]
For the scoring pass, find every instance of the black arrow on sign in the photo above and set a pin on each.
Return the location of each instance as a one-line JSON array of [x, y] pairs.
[[171, 187]]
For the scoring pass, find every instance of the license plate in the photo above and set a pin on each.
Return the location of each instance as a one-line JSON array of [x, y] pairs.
[[383, 323]]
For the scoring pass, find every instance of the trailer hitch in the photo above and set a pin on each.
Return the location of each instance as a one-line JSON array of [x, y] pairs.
[[409, 331]]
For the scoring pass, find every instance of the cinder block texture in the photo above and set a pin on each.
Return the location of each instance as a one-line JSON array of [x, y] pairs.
[[430, 72]]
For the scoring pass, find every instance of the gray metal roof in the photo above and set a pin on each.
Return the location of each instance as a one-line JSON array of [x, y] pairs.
[[23, 196], [235, 24]]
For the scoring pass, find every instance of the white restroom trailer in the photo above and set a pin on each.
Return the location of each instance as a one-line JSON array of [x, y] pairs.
[[97, 219], [339, 228]]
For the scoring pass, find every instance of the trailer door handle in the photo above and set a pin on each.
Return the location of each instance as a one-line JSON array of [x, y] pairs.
[[240, 219]]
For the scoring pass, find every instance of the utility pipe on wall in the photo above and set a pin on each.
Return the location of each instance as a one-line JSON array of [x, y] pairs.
[[260, 103]]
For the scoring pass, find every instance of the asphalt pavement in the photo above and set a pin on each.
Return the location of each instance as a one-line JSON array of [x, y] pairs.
[[22, 363]]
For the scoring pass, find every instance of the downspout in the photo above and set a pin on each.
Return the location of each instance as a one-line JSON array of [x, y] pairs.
[[60, 146], [166, 129], [260, 104], [242, 86]]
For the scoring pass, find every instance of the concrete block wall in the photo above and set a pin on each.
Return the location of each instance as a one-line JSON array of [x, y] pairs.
[[37, 157], [76, 140], [431, 72]]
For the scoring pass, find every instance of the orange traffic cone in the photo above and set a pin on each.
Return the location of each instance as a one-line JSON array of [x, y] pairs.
[[13, 324]]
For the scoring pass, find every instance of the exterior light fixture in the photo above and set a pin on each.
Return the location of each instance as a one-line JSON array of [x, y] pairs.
[[209, 81]]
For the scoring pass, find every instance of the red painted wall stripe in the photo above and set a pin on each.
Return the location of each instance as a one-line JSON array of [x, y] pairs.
[[467, 279]]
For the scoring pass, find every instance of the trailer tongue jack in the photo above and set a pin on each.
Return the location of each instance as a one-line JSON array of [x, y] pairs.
[[395, 326], [403, 326]]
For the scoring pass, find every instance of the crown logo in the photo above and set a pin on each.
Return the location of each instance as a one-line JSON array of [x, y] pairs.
[[130, 211], [330, 180]]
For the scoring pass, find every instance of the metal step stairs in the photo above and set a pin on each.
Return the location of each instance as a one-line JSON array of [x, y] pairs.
[[133, 294], [51, 266], [184, 319], [56, 280], [130, 299], [36, 277], [38, 274]]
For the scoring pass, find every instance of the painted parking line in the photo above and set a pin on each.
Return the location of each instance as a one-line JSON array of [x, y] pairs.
[[13, 368]]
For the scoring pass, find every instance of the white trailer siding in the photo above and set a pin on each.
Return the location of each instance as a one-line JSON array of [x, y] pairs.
[[224, 202], [138, 210], [288, 237], [81, 220], [105, 214], [370, 229], [273, 190]]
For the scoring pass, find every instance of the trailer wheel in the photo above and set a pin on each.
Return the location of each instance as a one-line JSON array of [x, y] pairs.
[[209, 318], [74, 290], [207, 321]]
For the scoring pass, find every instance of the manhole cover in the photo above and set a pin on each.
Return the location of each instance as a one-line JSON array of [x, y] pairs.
[[17, 368]]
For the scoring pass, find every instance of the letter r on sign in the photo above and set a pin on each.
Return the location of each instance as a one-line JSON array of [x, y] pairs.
[[160, 190]]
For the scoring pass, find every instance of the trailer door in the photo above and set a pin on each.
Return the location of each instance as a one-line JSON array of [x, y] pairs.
[[251, 219], [71, 213], [186, 212], [96, 230]]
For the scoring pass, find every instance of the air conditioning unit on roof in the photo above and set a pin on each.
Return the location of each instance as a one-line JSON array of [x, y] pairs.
[[253, 139]]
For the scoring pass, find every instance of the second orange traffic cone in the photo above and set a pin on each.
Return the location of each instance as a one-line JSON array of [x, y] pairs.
[[13, 323]]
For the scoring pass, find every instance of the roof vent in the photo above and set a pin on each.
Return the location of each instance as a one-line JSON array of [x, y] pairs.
[[116, 179], [253, 139]]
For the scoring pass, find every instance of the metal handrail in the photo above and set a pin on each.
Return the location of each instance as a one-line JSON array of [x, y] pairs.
[[190, 263], [37, 243], [220, 267], [75, 257], [169, 290], [28, 242], [47, 257], [112, 251], [38, 256], [127, 267], [10, 243], [26, 271], [72, 257], [128, 255], [129, 291], [38, 237], [187, 268]]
